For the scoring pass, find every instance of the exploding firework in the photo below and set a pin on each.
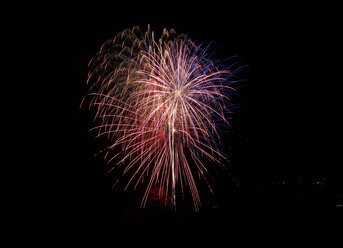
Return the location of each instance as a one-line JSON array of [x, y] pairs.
[[162, 103]]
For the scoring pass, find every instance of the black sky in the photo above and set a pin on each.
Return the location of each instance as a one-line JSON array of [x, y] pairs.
[[286, 126]]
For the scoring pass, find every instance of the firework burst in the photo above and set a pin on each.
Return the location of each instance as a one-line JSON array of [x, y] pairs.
[[162, 102]]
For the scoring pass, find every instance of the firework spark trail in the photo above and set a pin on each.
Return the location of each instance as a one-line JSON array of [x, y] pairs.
[[158, 100]]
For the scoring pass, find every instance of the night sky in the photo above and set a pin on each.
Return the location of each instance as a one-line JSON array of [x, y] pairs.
[[284, 139]]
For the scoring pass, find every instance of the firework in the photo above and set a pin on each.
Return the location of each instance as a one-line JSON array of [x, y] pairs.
[[162, 102]]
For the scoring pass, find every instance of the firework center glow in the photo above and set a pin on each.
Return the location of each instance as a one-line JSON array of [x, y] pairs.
[[178, 93]]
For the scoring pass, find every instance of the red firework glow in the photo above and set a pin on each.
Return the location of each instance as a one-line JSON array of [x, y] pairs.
[[158, 101]]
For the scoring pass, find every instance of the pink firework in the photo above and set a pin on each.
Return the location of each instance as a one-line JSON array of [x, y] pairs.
[[161, 102]]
